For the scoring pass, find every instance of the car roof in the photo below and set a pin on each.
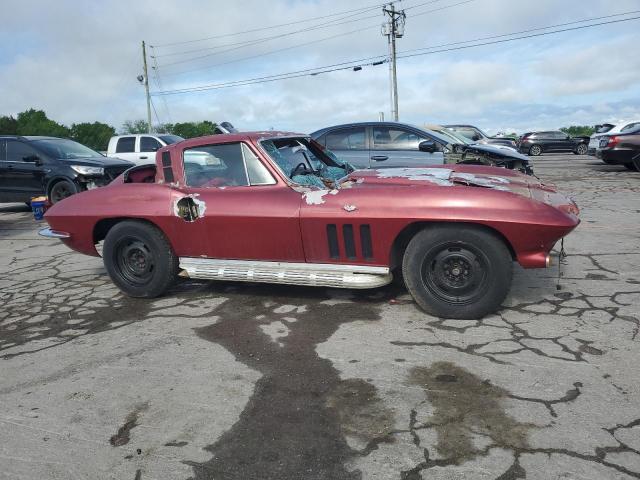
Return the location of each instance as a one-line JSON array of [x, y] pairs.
[[30, 137], [238, 137], [433, 133], [372, 123]]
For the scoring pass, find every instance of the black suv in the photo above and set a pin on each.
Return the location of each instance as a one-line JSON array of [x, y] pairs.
[[535, 143], [55, 167]]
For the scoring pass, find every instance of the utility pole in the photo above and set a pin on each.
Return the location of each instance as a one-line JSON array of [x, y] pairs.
[[393, 29], [146, 87]]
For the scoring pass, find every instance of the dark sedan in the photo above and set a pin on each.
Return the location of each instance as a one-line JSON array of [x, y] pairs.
[[537, 143], [621, 149], [392, 144], [55, 167]]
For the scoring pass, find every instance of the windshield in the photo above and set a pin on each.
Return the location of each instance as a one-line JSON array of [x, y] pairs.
[[305, 161], [169, 139], [604, 128], [65, 149]]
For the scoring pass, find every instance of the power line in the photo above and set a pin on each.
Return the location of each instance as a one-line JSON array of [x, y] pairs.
[[351, 64], [302, 44], [270, 52], [513, 39], [158, 80], [156, 113], [314, 27], [263, 39], [362, 9], [523, 31]]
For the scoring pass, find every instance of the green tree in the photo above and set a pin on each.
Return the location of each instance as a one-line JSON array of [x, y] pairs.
[[193, 129], [8, 125], [94, 135], [35, 122], [134, 126], [578, 130]]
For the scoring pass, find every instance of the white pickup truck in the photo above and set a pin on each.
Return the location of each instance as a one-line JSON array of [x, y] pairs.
[[139, 148]]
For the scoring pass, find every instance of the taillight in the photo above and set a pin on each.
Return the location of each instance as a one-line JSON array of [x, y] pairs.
[[613, 141]]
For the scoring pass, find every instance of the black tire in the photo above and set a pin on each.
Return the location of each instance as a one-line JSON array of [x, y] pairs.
[[139, 259], [61, 190], [458, 272], [535, 150], [636, 162], [581, 149], [630, 166]]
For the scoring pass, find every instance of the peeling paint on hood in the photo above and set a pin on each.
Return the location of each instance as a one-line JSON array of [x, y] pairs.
[[497, 183], [438, 176], [315, 197]]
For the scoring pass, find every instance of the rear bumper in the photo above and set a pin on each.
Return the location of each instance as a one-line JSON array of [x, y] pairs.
[[49, 233], [615, 157]]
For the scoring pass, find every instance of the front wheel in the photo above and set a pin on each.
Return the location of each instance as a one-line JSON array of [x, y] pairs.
[[62, 190], [139, 259], [581, 150], [535, 150], [635, 166], [457, 272]]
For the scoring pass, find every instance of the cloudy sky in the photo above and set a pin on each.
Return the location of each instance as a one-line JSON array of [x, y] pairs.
[[78, 61]]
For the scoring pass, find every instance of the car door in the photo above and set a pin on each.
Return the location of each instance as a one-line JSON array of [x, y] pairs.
[[148, 146], [24, 175], [126, 148], [564, 142], [244, 212], [394, 146], [349, 144]]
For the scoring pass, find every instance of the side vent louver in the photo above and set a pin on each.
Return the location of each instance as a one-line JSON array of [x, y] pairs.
[[350, 239], [332, 236], [349, 242], [166, 167], [365, 240]]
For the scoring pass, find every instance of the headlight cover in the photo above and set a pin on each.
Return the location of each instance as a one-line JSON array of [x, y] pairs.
[[84, 170]]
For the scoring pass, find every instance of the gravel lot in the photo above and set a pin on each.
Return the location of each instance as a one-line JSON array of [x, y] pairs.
[[240, 381]]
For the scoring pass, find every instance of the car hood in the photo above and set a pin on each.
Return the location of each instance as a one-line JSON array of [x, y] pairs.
[[460, 175], [98, 162], [498, 151]]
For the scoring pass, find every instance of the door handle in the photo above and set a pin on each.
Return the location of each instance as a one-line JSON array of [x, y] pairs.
[[143, 158], [379, 158]]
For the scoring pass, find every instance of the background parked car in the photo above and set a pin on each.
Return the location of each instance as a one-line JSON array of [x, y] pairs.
[[383, 144], [139, 148], [536, 143], [621, 149], [478, 136], [609, 129], [392, 144], [55, 167]]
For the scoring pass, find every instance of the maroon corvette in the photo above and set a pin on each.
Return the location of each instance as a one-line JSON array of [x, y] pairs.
[[278, 208]]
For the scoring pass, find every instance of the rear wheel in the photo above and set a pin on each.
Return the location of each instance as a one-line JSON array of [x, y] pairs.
[[62, 190], [139, 259], [581, 149], [535, 150], [457, 272]]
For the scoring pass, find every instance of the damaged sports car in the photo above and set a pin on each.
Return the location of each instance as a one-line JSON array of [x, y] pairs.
[[279, 208]]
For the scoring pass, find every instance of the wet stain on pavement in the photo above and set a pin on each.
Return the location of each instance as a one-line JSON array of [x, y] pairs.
[[122, 435], [295, 423], [465, 407]]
